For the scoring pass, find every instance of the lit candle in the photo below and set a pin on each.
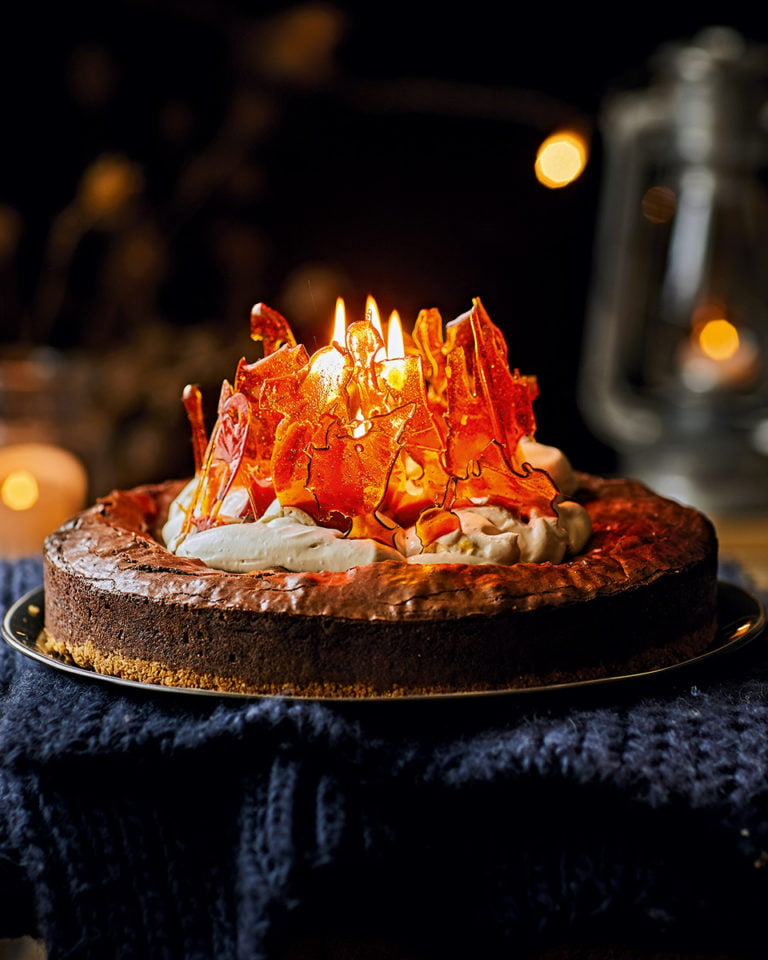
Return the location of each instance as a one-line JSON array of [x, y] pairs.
[[395, 372], [41, 486]]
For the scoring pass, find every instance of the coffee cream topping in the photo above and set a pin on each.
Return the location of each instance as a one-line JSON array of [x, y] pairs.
[[289, 538]]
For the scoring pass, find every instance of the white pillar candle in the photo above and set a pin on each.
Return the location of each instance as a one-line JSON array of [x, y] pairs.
[[41, 486]]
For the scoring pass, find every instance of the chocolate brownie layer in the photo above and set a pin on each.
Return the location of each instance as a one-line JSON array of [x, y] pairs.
[[641, 595]]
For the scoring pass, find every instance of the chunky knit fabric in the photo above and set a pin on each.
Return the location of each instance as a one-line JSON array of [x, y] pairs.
[[143, 825]]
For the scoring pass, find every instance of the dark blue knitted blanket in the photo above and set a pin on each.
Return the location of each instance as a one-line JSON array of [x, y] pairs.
[[142, 825]]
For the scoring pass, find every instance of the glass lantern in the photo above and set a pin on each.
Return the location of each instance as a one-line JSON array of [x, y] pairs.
[[674, 374]]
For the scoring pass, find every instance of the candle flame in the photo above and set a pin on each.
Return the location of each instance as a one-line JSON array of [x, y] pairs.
[[395, 343], [339, 323], [20, 490]]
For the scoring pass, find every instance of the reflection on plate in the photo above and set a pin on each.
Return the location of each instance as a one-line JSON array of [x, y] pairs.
[[741, 617]]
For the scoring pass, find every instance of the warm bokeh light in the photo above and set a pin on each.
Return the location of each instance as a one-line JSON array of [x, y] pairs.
[[20, 490], [11, 229], [718, 339], [659, 204], [109, 184], [561, 158], [41, 485], [717, 355], [395, 342]]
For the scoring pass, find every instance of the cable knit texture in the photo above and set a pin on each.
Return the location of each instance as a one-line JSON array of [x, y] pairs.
[[136, 824]]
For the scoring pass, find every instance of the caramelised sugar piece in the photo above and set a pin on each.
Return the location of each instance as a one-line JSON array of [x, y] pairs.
[[361, 442]]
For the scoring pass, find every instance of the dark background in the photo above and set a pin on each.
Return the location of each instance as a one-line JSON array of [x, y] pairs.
[[292, 152]]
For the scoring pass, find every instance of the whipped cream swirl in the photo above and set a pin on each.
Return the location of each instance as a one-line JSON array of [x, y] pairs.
[[289, 538]]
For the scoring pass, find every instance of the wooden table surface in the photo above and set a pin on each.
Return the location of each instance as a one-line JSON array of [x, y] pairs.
[[745, 539]]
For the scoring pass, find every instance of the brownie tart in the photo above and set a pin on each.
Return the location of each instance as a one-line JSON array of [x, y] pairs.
[[362, 526], [640, 596]]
